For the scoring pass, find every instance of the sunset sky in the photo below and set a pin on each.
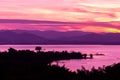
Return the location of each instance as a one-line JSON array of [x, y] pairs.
[[92, 15]]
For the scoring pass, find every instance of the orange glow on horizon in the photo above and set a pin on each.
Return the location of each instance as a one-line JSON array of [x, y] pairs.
[[100, 29]]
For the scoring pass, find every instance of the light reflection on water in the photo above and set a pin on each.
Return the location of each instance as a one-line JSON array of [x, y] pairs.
[[112, 54]]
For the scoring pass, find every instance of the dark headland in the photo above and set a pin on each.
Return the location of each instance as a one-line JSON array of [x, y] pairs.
[[30, 65]]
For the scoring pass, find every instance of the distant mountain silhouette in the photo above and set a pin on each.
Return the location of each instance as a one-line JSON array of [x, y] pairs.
[[53, 34], [56, 37], [11, 37]]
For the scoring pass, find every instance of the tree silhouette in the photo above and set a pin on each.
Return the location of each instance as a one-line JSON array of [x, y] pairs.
[[11, 50], [38, 48]]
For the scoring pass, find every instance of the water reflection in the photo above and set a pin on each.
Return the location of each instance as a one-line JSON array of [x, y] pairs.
[[112, 54]]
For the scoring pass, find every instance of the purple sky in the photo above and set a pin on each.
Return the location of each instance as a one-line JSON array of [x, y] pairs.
[[83, 11]]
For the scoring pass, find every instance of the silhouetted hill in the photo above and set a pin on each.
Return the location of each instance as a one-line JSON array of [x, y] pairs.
[[11, 37], [53, 34], [56, 37]]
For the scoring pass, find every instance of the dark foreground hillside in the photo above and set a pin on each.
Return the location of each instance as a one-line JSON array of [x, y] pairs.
[[29, 65]]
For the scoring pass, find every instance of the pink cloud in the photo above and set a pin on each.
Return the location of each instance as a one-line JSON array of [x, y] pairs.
[[63, 10], [60, 26], [88, 13], [82, 10]]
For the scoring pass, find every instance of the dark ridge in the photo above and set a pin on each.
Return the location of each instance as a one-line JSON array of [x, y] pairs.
[[57, 37]]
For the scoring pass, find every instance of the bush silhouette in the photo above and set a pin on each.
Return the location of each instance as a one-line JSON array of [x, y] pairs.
[[38, 48]]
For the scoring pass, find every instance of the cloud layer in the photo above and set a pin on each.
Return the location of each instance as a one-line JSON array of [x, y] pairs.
[[13, 24], [95, 15]]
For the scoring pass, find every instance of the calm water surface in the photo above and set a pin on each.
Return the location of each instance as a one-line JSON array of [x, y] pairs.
[[112, 54]]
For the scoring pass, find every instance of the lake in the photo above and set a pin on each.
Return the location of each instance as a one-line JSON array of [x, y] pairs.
[[111, 54]]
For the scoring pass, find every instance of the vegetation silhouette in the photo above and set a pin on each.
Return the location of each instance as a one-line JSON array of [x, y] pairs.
[[30, 65], [38, 48], [91, 56]]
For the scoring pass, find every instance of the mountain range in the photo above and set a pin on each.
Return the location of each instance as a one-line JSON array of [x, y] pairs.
[[56, 37]]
